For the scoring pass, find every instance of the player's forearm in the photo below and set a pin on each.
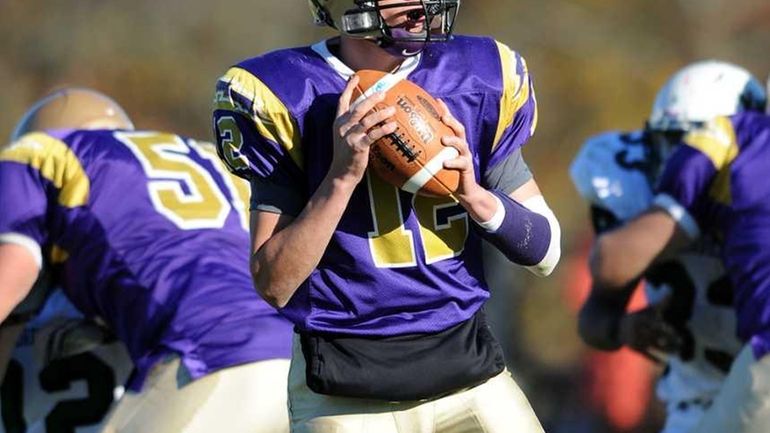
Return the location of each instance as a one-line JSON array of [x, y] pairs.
[[288, 258], [18, 272], [527, 233], [480, 204], [620, 256]]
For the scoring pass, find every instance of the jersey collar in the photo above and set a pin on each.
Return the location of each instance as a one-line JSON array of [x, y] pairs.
[[407, 66]]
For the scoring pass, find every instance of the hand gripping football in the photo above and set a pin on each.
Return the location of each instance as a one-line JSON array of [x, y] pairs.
[[412, 158]]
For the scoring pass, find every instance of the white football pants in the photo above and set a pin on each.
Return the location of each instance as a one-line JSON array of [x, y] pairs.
[[743, 403], [249, 398]]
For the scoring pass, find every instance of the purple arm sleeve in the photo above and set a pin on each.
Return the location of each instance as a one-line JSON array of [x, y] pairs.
[[523, 237]]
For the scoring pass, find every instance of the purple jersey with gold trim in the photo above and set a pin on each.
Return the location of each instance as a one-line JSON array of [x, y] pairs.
[[146, 231], [398, 263], [719, 177]]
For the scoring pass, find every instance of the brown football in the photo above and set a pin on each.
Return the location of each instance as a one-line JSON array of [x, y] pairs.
[[412, 158]]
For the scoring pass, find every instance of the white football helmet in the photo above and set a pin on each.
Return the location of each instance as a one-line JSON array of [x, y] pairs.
[[696, 94], [363, 19], [702, 91]]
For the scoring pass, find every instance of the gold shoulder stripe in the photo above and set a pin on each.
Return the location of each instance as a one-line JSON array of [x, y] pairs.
[[271, 117], [515, 90], [56, 162], [718, 142]]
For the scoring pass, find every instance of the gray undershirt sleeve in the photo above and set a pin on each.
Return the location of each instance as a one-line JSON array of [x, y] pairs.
[[508, 175], [274, 198]]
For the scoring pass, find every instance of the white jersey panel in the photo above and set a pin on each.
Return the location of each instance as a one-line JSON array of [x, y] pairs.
[[75, 390], [701, 297]]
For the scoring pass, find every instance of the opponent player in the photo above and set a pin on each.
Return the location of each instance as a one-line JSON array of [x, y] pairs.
[[386, 288], [690, 294], [65, 373], [145, 232], [711, 186]]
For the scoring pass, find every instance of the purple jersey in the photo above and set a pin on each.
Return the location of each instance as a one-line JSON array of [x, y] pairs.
[[720, 179], [146, 231], [398, 263]]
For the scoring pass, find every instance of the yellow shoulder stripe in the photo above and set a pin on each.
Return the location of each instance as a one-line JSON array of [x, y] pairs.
[[516, 90], [718, 142], [56, 162], [271, 117]]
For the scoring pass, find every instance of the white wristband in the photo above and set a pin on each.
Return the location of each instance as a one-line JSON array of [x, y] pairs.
[[496, 221], [679, 213]]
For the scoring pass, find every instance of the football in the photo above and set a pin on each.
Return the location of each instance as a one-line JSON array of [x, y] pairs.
[[412, 158]]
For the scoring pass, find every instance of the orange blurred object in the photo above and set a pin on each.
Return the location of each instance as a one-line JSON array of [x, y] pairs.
[[620, 383]]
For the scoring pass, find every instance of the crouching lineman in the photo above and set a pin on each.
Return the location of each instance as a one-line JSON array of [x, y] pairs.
[[690, 293], [146, 233], [712, 185]]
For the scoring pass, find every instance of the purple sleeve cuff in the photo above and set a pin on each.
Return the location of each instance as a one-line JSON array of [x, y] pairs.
[[523, 236]]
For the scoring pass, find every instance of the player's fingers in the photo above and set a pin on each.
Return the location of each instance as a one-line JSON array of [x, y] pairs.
[[375, 134], [458, 143], [364, 107], [347, 94], [377, 117], [343, 126], [460, 164], [451, 121]]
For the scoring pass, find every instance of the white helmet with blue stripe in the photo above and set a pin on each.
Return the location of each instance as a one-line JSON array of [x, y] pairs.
[[702, 91]]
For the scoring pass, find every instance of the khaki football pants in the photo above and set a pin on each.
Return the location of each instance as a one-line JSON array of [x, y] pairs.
[[249, 398], [496, 406], [743, 403]]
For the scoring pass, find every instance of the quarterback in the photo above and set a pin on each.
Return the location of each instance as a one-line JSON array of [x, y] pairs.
[[711, 186], [386, 288], [145, 232], [691, 310]]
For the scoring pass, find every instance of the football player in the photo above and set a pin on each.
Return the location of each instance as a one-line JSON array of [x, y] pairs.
[[386, 288], [710, 190], [690, 293], [65, 373], [145, 232]]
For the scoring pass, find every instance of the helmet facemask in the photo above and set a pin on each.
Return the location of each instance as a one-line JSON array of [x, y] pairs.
[[365, 21], [661, 143]]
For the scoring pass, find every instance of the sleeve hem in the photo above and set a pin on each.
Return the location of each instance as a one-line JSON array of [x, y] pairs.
[[27, 242], [679, 213]]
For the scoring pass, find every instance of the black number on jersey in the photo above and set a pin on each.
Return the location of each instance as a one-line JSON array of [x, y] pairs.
[[58, 376], [679, 312], [12, 398], [623, 158]]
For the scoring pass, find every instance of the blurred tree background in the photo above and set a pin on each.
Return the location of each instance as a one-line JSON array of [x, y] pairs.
[[596, 63]]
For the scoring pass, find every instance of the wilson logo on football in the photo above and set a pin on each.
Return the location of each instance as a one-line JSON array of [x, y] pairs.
[[412, 158]]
